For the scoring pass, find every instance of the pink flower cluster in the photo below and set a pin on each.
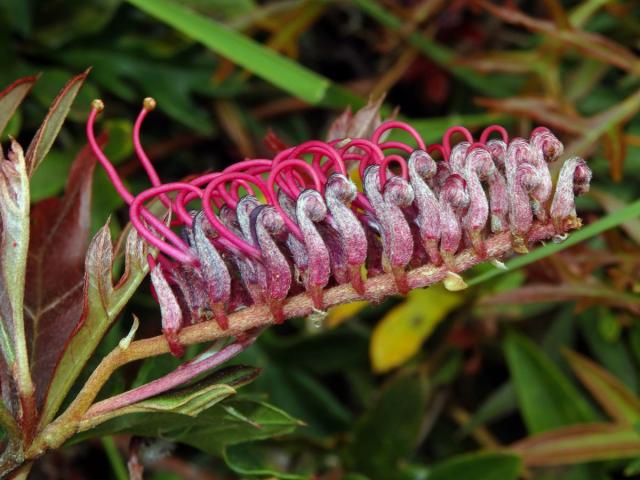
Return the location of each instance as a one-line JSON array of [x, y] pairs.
[[264, 229]]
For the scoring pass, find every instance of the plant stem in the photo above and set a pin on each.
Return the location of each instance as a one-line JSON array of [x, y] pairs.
[[257, 316]]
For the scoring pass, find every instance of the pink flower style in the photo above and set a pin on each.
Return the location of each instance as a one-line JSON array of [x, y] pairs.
[[303, 226]]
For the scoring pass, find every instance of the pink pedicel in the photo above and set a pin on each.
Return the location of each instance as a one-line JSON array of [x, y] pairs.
[[263, 230]]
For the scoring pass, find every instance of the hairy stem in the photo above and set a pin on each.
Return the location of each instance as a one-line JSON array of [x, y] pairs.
[[377, 288]]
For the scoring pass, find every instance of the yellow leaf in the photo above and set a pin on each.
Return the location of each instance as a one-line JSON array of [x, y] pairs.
[[338, 314], [400, 334]]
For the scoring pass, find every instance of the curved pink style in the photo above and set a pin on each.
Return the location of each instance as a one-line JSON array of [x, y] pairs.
[[262, 229]]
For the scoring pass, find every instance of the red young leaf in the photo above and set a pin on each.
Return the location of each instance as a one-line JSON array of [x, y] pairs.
[[11, 98], [55, 269]]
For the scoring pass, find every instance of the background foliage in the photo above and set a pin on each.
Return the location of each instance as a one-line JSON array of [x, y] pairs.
[[532, 372]]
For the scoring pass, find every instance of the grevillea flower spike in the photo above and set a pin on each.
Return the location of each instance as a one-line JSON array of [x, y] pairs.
[[274, 231]]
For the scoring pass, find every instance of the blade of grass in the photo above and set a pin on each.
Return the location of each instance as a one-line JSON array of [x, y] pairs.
[[251, 55], [597, 227]]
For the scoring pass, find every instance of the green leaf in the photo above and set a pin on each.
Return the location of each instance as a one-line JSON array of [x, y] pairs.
[[62, 21], [52, 123], [301, 394], [579, 444], [102, 303], [191, 400], [547, 398], [616, 399], [609, 221], [11, 98], [269, 65], [478, 466], [612, 353], [173, 86], [19, 14], [255, 459], [231, 422], [388, 432]]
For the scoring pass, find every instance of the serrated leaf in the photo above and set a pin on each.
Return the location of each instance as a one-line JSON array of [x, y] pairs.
[[11, 98], [616, 399], [102, 302], [546, 397], [579, 444], [399, 335], [478, 466], [53, 298], [52, 123]]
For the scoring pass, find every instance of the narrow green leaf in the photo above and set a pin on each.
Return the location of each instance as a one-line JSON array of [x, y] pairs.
[[256, 460], [269, 65], [600, 328], [547, 398], [190, 403], [607, 222], [616, 399], [102, 304], [211, 431], [478, 466], [579, 444], [52, 123], [11, 98]]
